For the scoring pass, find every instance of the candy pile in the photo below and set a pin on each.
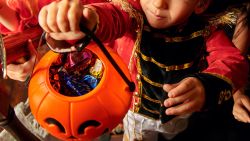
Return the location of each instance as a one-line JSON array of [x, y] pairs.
[[76, 73]]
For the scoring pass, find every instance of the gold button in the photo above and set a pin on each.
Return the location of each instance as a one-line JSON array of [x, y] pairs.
[[136, 104], [136, 93], [138, 77], [135, 55]]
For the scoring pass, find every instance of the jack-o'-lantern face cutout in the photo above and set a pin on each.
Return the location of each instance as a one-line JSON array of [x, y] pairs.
[[81, 130]]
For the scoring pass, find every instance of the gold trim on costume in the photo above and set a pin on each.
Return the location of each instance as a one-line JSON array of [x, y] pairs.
[[224, 96], [222, 77], [151, 82], [167, 68], [228, 17], [150, 99], [137, 99], [181, 39], [151, 111], [203, 32], [135, 106]]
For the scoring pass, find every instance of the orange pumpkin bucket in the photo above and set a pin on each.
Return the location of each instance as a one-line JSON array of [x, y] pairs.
[[81, 117]]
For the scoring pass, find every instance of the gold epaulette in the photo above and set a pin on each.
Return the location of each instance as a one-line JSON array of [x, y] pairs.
[[227, 17]]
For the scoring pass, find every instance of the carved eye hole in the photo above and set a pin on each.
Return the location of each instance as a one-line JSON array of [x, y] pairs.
[[56, 123], [87, 124]]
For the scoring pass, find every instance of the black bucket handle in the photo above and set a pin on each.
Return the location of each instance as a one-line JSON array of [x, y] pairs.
[[92, 36]]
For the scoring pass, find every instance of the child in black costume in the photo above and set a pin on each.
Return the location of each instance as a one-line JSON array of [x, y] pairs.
[[221, 124]]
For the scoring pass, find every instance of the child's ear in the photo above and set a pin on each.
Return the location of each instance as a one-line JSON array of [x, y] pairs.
[[201, 6]]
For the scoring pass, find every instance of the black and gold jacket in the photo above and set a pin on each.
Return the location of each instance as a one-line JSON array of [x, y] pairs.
[[168, 56]]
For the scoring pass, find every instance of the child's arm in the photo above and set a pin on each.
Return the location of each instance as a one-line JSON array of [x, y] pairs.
[[226, 72]]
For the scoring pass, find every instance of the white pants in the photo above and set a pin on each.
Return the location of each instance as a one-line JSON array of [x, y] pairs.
[[138, 127]]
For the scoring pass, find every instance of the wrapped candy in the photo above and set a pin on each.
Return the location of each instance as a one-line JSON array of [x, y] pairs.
[[74, 83], [78, 61], [90, 80], [75, 73], [97, 69]]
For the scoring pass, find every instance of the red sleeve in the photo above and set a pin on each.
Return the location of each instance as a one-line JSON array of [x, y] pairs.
[[113, 21], [225, 60]]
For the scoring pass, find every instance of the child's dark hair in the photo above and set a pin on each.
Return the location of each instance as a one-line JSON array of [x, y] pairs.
[[218, 6]]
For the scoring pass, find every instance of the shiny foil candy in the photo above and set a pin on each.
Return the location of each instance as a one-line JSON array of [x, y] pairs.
[[76, 73], [97, 69]]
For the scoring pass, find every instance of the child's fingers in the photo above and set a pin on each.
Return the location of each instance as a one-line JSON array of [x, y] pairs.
[[52, 16], [71, 35], [21, 71], [91, 16], [13, 76], [61, 16], [74, 15], [13, 68], [242, 115], [192, 103], [179, 99], [16, 72], [42, 19], [240, 112], [184, 86], [182, 109]]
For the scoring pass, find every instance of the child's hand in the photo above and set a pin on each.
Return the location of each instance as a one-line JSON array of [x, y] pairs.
[[21, 71], [185, 97], [241, 108], [61, 19]]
